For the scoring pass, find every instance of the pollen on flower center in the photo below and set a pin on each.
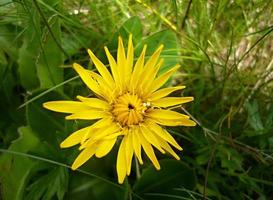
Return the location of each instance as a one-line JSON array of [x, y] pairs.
[[129, 109]]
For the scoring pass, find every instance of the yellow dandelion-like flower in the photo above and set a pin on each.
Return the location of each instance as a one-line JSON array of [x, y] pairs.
[[130, 105]]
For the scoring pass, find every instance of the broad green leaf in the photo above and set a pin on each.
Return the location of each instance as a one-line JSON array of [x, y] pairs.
[[48, 185], [170, 53], [46, 124], [15, 169], [173, 174]]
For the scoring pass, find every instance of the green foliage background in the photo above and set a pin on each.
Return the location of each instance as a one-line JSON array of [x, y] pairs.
[[225, 49]]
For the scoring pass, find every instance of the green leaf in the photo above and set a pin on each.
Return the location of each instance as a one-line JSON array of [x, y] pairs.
[[17, 168], [39, 57], [172, 175], [53, 182], [170, 52], [48, 125], [254, 118]]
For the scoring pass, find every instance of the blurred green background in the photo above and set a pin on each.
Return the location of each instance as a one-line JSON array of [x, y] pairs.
[[225, 49]]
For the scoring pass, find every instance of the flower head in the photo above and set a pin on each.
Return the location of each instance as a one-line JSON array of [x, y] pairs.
[[130, 106]]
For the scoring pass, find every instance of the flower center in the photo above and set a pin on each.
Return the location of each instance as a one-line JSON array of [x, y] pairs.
[[128, 109]]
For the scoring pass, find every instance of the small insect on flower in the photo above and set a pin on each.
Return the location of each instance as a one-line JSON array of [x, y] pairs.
[[130, 105]]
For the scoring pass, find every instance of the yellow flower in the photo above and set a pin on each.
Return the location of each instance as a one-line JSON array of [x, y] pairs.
[[130, 106]]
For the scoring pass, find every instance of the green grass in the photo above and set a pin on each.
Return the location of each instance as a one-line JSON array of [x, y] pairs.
[[225, 49]]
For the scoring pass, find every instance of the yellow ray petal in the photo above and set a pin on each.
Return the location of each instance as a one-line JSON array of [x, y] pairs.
[[113, 65], [150, 137], [100, 134], [85, 155], [121, 61], [102, 69], [105, 147], [137, 70], [163, 92], [88, 115], [129, 151], [121, 162], [149, 150], [172, 122], [146, 84], [98, 125], [129, 59], [149, 71], [163, 134], [171, 101], [94, 102], [166, 115], [167, 147], [88, 80], [74, 138], [66, 106], [159, 81], [137, 145]]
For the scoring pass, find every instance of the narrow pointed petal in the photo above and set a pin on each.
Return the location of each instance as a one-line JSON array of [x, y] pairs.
[[75, 138], [130, 57], [149, 71], [105, 147], [167, 147], [171, 101], [84, 156], [121, 61], [137, 69], [137, 146], [65, 106], [87, 79], [101, 68], [149, 151], [173, 122], [163, 134], [150, 137], [166, 115], [129, 152], [94, 102], [163, 92], [121, 162], [113, 65], [88, 115], [159, 81]]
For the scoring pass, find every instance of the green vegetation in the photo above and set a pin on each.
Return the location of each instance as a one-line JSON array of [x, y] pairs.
[[225, 49]]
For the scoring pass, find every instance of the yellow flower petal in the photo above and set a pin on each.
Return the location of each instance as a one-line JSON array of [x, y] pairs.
[[85, 155], [113, 65], [75, 138], [105, 147], [129, 151], [121, 61], [166, 115], [180, 122], [65, 106], [94, 102], [167, 147], [149, 151], [129, 59], [102, 69], [137, 70], [121, 165], [137, 145], [159, 81], [88, 115], [163, 92], [171, 101], [149, 71], [163, 134], [87, 79], [150, 137]]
